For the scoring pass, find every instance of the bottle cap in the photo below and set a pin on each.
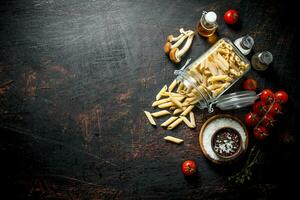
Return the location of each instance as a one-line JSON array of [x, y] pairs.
[[265, 57], [211, 17], [247, 42]]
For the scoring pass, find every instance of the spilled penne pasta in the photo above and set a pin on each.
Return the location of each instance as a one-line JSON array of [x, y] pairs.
[[173, 139], [169, 121], [164, 89], [150, 118], [209, 78], [160, 113]]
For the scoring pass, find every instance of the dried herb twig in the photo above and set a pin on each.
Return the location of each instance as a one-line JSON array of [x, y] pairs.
[[246, 172]]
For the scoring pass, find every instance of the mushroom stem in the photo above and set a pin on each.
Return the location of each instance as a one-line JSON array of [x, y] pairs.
[[171, 38], [168, 46], [176, 54], [186, 46]]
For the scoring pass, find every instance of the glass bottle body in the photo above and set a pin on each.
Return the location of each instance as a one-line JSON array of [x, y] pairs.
[[206, 28]]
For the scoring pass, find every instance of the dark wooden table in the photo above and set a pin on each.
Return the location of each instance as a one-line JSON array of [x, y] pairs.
[[76, 76]]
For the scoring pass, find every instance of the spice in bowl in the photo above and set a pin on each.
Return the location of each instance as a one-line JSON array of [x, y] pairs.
[[226, 143]]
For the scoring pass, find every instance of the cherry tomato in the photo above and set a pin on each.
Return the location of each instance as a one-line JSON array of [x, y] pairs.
[[275, 109], [188, 167], [261, 133], [281, 97], [231, 17], [268, 120], [267, 96], [259, 108], [251, 119], [250, 84]]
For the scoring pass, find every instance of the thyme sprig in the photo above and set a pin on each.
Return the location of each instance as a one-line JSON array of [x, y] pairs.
[[245, 173]]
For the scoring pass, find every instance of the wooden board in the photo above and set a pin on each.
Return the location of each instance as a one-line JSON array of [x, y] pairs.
[[77, 75]]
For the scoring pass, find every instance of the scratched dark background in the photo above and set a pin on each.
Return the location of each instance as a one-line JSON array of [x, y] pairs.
[[76, 76]]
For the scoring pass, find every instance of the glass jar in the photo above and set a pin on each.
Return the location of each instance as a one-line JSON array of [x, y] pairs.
[[244, 44], [207, 24], [213, 73], [261, 61]]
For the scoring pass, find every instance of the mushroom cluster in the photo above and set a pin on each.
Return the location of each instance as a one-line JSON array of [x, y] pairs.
[[171, 47]]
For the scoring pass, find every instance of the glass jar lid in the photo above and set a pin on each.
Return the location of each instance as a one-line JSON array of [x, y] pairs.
[[236, 100], [231, 101]]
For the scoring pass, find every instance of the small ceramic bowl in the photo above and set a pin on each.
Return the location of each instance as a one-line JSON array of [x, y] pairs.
[[227, 137]]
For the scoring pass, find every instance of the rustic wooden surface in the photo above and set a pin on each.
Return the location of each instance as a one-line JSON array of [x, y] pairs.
[[76, 75]]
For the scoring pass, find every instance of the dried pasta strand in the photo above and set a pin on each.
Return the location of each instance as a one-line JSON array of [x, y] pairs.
[[187, 122], [186, 111], [160, 113], [192, 119], [180, 87], [173, 139], [176, 102], [179, 98], [163, 89], [168, 121], [166, 105], [156, 103], [150, 118], [172, 86], [173, 108], [177, 111], [174, 124], [167, 94]]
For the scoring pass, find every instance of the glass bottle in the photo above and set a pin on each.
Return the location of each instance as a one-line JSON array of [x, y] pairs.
[[261, 61], [244, 44], [207, 25]]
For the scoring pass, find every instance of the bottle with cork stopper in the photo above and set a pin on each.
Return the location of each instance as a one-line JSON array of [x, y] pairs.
[[261, 61], [207, 24]]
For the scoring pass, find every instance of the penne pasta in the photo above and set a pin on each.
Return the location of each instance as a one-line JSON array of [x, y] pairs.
[[187, 110], [167, 94], [150, 118], [219, 78], [192, 118], [172, 86], [173, 139], [160, 113], [166, 105], [174, 124], [156, 103], [172, 108], [176, 102], [178, 98], [187, 122], [180, 87], [164, 89], [168, 121], [177, 111]]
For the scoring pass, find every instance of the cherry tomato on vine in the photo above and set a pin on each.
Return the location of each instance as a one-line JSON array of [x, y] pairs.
[[251, 119], [188, 167], [275, 109], [281, 97], [261, 133], [231, 17], [268, 120], [267, 96], [259, 108], [250, 84]]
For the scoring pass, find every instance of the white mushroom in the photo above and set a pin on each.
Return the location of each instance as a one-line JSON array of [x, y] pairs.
[[176, 54], [171, 37], [168, 46]]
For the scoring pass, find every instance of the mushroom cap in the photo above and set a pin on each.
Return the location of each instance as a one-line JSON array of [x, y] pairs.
[[173, 56], [170, 38], [167, 47]]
